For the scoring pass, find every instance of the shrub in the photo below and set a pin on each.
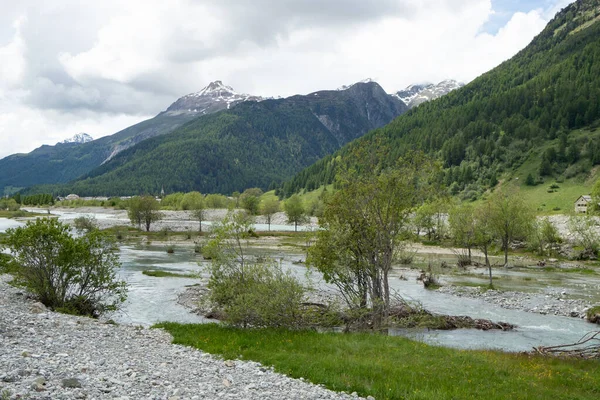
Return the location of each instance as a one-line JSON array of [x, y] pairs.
[[76, 275], [250, 291], [85, 223]]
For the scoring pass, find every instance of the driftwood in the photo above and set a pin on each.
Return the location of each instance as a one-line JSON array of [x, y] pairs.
[[588, 347]]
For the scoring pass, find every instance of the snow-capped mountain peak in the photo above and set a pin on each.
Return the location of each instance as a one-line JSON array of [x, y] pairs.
[[416, 94], [214, 97], [79, 138]]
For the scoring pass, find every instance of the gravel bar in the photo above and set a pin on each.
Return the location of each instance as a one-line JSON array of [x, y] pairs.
[[47, 355]]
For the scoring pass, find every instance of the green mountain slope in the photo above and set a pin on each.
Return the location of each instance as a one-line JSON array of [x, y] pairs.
[[252, 144], [491, 126], [67, 161]]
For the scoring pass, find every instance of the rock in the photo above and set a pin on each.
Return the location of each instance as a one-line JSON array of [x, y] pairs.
[[37, 308], [39, 384], [71, 383]]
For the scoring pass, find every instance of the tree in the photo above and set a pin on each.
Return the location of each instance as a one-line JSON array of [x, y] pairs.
[[144, 209], [595, 206], [510, 218], [250, 290], [361, 227], [194, 202], [268, 208], [250, 200], [72, 274], [483, 232], [462, 226], [295, 211]]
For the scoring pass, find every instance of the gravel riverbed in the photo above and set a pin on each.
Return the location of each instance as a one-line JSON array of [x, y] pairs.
[[555, 303], [47, 355]]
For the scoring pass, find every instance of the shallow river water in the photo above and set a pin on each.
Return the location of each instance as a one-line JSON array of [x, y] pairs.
[[153, 300]]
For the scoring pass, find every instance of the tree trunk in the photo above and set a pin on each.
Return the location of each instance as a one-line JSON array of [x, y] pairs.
[[487, 263], [505, 251]]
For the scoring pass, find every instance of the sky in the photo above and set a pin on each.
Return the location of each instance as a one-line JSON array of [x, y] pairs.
[[68, 66]]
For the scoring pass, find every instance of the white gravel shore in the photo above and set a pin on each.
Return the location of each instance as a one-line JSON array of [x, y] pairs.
[[46, 355]]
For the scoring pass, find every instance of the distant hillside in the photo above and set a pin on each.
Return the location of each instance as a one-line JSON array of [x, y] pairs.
[[525, 110], [252, 144], [73, 158]]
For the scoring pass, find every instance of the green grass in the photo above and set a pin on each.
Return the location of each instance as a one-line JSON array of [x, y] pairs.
[[20, 214], [397, 368], [166, 274]]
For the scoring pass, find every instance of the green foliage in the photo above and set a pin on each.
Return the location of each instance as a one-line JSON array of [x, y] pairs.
[[250, 202], [585, 232], [544, 237], [167, 274], [9, 205], [85, 223], [392, 367], [144, 210], [361, 228], [42, 199], [251, 291], [294, 209], [595, 206], [75, 275], [217, 201], [493, 124], [510, 218], [269, 207], [172, 201], [66, 162]]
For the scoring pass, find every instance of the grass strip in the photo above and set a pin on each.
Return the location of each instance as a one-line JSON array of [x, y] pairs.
[[394, 367], [166, 274]]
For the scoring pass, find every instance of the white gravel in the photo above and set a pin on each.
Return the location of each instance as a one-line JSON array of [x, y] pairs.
[[46, 355]]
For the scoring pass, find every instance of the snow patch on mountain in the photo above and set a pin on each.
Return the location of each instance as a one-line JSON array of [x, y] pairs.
[[414, 95], [79, 138], [214, 97]]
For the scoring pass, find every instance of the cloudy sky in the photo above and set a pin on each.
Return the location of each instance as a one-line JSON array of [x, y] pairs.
[[68, 66]]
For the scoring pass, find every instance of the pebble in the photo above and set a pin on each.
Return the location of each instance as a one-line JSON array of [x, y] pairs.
[[554, 304], [47, 355]]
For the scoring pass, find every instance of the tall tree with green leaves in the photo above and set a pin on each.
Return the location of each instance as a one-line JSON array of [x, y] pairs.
[[268, 208], [144, 210], [295, 211], [510, 217], [361, 227], [461, 219]]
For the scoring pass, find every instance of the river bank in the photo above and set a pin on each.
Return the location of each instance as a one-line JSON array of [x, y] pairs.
[[555, 303], [46, 355]]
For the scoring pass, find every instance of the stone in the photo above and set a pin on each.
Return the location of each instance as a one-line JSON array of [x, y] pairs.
[[71, 383], [37, 308]]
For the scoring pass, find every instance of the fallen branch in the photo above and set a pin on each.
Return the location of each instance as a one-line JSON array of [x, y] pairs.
[[588, 347]]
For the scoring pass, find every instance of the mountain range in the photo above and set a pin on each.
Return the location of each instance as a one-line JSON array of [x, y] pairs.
[[417, 94], [217, 141]]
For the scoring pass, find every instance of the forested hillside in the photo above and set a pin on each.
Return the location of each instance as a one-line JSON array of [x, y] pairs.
[[67, 161], [525, 109], [254, 144]]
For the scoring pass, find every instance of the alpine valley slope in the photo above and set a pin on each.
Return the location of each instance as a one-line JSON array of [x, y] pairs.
[[254, 144], [71, 159], [538, 111]]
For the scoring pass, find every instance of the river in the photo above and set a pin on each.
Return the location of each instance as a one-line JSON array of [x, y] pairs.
[[153, 299]]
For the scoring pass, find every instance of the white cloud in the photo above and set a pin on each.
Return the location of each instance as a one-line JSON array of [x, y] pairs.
[[67, 67], [12, 59]]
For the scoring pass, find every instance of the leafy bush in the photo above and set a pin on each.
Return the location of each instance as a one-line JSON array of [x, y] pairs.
[[85, 223], [250, 291], [75, 275]]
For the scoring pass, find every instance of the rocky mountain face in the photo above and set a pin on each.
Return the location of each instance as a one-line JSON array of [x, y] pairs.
[[254, 144], [417, 94], [79, 139], [214, 97]]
